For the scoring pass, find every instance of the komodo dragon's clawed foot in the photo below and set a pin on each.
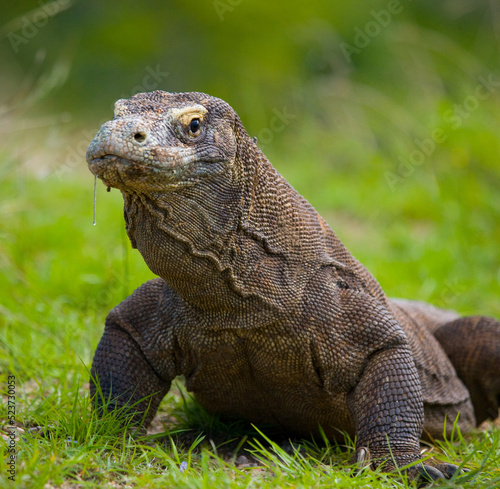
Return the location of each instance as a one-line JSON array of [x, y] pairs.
[[424, 473], [362, 457], [449, 470]]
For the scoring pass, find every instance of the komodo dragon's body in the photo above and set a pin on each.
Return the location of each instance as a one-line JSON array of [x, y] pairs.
[[259, 304]]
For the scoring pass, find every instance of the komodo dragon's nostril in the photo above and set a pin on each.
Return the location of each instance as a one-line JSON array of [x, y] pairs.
[[140, 137]]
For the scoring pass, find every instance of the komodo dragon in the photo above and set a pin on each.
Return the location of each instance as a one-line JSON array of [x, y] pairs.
[[261, 307]]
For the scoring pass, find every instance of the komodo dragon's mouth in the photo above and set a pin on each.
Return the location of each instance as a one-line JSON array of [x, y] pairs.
[[124, 173], [115, 170], [101, 164]]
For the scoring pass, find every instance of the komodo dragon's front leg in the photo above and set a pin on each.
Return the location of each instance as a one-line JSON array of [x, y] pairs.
[[362, 350], [125, 372], [389, 429]]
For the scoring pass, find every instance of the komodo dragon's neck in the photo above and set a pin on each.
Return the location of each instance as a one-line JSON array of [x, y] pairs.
[[241, 237]]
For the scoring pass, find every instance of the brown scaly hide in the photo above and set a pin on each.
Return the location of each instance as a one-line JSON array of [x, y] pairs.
[[260, 306]]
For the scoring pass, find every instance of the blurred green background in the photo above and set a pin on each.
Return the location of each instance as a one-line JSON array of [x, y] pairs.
[[384, 114]]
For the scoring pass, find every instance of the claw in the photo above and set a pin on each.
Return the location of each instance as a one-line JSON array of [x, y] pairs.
[[449, 470], [362, 457], [429, 474]]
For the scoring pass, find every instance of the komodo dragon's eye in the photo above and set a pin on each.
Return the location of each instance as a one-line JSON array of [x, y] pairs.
[[194, 126]]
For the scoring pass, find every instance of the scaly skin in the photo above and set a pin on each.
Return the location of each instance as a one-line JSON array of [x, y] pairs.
[[258, 304]]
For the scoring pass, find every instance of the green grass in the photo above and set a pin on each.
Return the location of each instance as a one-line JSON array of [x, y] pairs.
[[432, 236]]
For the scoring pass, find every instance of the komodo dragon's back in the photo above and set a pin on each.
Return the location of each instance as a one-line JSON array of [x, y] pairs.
[[261, 307]]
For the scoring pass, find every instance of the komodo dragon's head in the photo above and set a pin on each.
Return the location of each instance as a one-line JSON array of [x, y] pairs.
[[159, 141]]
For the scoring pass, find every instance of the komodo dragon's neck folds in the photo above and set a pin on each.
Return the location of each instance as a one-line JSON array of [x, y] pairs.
[[260, 306]]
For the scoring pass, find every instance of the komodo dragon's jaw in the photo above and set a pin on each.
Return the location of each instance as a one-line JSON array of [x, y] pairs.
[[160, 141]]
